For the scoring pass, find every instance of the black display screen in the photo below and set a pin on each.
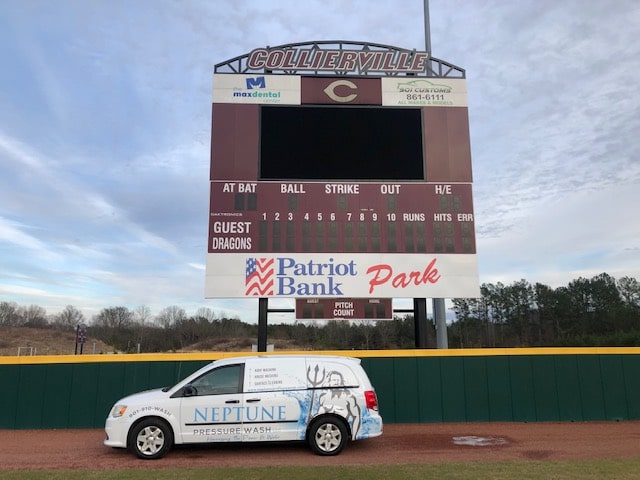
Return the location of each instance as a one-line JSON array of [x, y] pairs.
[[341, 143]]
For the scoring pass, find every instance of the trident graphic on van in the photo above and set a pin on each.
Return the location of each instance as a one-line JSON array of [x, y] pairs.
[[315, 382]]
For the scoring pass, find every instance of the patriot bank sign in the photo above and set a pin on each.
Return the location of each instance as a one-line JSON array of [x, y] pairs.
[[341, 275], [288, 277]]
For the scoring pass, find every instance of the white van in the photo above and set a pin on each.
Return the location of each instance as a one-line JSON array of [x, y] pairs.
[[324, 400]]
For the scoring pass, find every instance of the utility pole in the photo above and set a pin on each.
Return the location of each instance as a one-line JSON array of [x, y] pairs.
[[439, 311]]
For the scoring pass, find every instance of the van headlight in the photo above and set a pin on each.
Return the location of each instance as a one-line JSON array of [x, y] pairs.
[[118, 410]]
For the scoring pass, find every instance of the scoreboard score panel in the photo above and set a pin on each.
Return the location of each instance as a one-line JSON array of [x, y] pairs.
[[316, 217], [382, 220]]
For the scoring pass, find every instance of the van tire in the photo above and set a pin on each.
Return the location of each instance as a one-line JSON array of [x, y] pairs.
[[150, 439], [328, 435]]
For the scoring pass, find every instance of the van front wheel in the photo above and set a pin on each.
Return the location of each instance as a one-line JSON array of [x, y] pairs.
[[150, 439], [328, 436]]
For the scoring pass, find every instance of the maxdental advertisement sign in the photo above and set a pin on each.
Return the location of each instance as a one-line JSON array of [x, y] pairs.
[[343, 275], [257, 89]]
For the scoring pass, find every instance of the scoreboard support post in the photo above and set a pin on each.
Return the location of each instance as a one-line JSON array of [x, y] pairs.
[[263, 313], [440, 321], [420, 322], [263, 309]]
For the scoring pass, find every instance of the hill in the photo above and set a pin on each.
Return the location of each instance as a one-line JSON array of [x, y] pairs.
[[44, 341], [20, 341]]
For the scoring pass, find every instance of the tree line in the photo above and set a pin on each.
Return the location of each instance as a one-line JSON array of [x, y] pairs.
[[597, 311], [600, 311]]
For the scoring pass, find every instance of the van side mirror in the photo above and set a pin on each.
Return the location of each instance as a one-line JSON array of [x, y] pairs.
[[189, 391]]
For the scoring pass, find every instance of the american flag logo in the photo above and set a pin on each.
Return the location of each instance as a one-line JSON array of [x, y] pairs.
[[259, 276]]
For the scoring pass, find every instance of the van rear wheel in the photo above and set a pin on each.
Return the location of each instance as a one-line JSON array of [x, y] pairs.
[[328, 436]]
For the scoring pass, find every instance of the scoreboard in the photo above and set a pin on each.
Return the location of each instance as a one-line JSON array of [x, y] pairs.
[[340, 173]]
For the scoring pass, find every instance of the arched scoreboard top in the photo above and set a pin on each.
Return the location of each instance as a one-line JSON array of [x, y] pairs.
[[335, 57], [340, 169]]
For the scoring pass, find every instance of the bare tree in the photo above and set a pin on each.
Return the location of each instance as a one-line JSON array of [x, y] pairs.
[[9, 314], [114, 317], [207, 313], [33, 316], [142, 315], [69, 318], [170, 316]]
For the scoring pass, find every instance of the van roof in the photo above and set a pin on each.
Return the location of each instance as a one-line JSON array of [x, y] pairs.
[[334, 358]]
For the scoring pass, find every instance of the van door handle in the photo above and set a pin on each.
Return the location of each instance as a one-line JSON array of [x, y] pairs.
[[232, 401], [252, 400]]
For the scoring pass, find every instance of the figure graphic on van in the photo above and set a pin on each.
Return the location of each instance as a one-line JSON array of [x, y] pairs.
[[340, 401]]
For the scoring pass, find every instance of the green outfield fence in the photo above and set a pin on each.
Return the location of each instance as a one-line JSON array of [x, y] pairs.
[[413, 386]]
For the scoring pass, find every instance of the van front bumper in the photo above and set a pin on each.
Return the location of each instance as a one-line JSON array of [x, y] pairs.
[[116, 431]]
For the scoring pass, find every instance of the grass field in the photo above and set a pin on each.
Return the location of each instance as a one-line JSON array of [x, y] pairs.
[[560, 470]]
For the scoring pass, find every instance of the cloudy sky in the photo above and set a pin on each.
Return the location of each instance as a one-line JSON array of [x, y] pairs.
[[105, 112]]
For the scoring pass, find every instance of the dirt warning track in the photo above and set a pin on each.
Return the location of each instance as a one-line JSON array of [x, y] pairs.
[[399, 444]]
